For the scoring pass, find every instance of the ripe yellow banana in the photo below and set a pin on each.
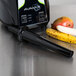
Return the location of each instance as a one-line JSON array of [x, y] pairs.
[[61, 36]]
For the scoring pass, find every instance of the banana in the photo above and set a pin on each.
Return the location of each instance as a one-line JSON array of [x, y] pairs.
[[61, 36]]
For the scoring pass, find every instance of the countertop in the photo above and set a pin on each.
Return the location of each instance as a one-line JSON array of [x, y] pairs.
[[25, 59]]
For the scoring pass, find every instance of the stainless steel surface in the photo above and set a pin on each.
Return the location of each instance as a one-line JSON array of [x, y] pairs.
[[25, 59]]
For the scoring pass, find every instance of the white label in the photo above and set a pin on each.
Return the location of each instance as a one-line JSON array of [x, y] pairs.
[[41, 1], [21, 3]]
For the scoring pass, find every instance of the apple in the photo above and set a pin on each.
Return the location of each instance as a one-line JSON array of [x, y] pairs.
[[63, 21]]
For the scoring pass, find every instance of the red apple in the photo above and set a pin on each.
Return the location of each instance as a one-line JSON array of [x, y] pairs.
[[63, 21]]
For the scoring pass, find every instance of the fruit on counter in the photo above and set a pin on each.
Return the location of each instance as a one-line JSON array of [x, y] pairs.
[[63, 21], [61, 36], [66, 30]]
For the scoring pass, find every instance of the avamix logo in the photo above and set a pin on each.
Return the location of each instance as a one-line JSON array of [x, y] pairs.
[[34, 7]]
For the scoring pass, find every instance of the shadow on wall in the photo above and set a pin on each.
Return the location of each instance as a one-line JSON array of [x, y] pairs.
[[8, 11]]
